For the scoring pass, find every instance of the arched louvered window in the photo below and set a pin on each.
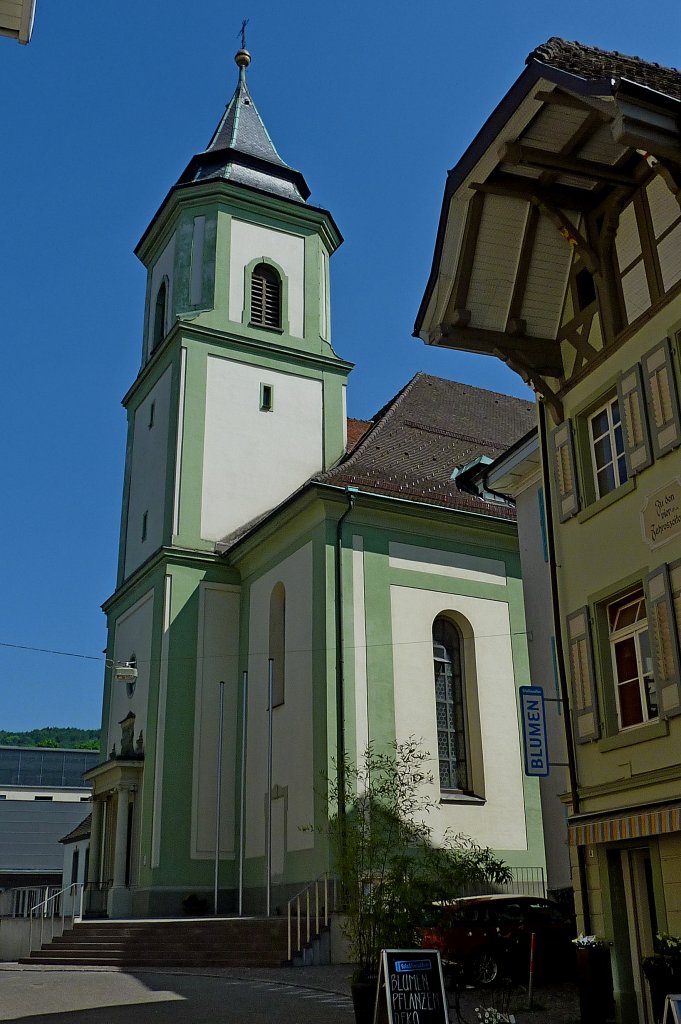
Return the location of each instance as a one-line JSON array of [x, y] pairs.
[[450, 707], [160, 315], [265, 296]]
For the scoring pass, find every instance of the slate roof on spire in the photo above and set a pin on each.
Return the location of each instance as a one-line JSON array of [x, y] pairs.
[[242, 151]]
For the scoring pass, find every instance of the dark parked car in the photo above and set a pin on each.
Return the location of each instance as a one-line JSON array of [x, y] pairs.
[[489, 937]]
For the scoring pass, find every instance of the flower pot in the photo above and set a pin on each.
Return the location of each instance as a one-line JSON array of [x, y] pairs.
[[364, 999], [594, 984]]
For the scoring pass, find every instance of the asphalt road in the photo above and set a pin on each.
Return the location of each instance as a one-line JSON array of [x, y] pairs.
[[110, 997]]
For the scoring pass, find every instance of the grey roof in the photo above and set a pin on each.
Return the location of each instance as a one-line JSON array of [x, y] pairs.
[[30, 831], [593, 64], [431, 427], [81, 831], [242, 151]]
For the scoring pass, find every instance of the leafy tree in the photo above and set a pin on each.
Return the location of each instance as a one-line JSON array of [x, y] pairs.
[[390, 870], [52, 736]]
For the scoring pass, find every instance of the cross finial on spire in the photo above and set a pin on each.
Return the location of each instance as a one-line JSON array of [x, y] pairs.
[[243, 57]]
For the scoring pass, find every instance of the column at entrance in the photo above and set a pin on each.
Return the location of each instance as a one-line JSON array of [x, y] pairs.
[[120, 897]]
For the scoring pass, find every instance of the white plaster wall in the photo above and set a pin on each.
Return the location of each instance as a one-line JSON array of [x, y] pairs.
[[132, 636], [292, 746], [500, 822], [71, 899], [251, 242], [162, 268], [252, 460], [217, 660], [148, 475], [539, 619]]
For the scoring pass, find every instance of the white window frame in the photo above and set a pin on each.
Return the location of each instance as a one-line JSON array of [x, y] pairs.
[[634, 630], [617, 459]]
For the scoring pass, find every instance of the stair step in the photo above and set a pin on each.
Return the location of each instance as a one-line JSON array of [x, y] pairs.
[[224, 942]]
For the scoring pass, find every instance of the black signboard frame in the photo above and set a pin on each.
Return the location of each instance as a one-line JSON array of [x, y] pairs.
[[411, 988]]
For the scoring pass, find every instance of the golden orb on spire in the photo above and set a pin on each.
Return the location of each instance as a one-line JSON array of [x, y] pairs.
[[242, 58]]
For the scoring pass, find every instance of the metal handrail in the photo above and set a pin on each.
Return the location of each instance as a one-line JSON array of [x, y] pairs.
[[305, 894], [75, 888]]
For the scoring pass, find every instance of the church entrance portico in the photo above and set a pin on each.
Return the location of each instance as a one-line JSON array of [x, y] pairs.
[[111, 872]]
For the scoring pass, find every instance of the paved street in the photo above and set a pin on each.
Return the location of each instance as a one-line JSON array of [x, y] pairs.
[[193, 996], [110, 996]]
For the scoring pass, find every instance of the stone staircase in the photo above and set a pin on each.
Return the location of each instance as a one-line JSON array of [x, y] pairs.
[[200, 942]]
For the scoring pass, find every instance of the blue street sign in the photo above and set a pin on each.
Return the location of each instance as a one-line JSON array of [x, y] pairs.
[[535, 746]]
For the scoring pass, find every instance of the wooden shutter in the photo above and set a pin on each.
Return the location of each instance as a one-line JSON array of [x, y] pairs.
[[565, 472], [662, 398], [632, 407], [664, 641], [583, 677]]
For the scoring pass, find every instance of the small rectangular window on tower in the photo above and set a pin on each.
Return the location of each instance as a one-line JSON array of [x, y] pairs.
[[266, 397], [145, 523], [152, 410]]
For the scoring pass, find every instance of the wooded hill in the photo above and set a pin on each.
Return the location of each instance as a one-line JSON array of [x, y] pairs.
[[52, 736]]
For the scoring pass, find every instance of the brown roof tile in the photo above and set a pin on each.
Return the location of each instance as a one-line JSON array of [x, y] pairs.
[[422, 435], [591, 63], [356, 431]]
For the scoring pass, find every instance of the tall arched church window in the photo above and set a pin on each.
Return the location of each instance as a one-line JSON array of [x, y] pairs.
[[265, 296], [277, 645], [159, 332], [450, 706]]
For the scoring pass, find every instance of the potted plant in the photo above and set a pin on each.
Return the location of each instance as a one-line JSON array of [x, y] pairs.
[[195, 906], [390, 871], [594, 979], [663, 970]]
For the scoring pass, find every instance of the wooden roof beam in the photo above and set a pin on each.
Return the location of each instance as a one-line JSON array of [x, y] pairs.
[[530, 156], [590, 104], [532, 191], [541, 355]]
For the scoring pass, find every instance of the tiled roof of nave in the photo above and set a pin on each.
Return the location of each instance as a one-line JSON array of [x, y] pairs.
[[430, 428]]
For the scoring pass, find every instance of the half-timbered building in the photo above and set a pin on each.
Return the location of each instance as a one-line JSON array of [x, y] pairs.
[[559, 251]]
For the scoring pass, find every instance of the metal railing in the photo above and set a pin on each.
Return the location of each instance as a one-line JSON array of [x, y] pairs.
[[309, 907], [19, 902], [54, 906], [525, 881]]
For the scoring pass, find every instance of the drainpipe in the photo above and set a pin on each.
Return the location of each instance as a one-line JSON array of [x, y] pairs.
[[560, 660], [340, 660]]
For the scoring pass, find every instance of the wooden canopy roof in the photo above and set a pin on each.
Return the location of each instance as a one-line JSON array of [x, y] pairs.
[[575, 131]]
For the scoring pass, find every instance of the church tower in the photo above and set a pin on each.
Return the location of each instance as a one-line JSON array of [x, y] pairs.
[[240, 397], [239, 400]]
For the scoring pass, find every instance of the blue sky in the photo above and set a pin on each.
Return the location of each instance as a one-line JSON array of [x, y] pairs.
[[101, 112]]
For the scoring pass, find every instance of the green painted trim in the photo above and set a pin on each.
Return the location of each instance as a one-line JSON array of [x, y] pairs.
[[597, 505], [640, 734], [172, 556], [244, 200], [192, 442], [242, 349], [448, 585]]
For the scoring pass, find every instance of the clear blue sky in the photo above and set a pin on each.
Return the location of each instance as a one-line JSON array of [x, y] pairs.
[[100, 114]]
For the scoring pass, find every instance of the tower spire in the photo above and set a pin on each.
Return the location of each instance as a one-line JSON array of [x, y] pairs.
[[241, 150], [243, 57]]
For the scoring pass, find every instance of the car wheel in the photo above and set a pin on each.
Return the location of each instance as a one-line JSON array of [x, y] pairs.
[[483, 968]]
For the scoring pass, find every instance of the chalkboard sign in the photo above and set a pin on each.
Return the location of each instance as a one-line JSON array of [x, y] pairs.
[[411, 988], [672, 1010]]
